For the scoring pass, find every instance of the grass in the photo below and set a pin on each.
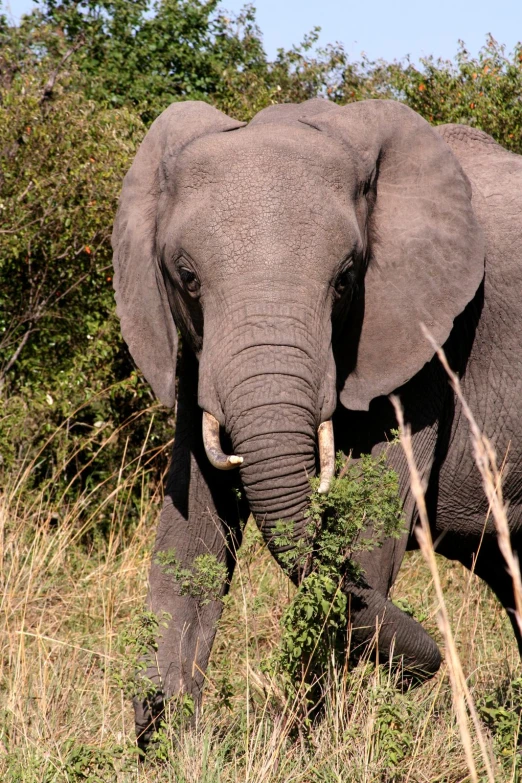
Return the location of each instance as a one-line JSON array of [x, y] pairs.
[[68, 596]]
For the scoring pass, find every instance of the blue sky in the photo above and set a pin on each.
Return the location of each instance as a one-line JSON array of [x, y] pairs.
[[390, 29]]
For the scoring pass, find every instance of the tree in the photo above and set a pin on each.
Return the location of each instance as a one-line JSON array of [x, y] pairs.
[[62, 160], [483, 91], [146, 54]]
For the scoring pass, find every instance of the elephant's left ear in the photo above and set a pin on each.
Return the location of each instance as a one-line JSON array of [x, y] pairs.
[[147, 324], [426, 246]]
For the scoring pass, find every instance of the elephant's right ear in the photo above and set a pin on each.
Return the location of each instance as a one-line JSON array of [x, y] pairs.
[[147, 324]]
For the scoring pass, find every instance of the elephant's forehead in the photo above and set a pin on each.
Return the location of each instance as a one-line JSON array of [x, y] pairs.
[[249, 193], [264, 159]]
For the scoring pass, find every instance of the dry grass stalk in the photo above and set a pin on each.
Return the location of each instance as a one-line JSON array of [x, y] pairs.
[[461, 694]]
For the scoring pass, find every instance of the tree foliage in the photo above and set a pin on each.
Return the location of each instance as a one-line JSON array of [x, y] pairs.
[[483, 91], [62, 164], [147, 54]]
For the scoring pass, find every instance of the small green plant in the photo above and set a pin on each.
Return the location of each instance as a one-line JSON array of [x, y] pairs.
[[406, 606], [203, 581], [89, 764], [361, 510], [139, 641], [502, 714], [177, 712], [392, 737]]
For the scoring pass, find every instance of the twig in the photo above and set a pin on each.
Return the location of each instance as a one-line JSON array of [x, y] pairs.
[[65, 644], [15, 355], [49, 87], [33, 318], [345, 466]]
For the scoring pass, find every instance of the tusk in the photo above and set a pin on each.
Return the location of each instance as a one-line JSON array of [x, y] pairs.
[[325, 437], [215, 455]]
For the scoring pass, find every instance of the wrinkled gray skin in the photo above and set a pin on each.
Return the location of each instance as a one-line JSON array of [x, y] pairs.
[[320, 238]]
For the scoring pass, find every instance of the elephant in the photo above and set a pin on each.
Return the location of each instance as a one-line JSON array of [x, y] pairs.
[[297, 256]]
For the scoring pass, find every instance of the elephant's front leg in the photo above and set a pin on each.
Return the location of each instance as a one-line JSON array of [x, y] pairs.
[[201, 516]]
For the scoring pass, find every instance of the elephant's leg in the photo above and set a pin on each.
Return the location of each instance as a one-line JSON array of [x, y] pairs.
[[377, 623], [482, 556], [201, 516], [491, 567]]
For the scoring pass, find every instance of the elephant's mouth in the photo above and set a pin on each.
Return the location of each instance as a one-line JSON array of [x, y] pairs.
[[222, 461]]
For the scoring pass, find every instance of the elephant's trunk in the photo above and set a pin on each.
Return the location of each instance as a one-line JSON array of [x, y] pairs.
[[268, 380], [276, 438]]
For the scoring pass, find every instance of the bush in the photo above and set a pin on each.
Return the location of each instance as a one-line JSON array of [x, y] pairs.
[[482, 91], [67, 380], [62, 163], [148, 54], [361, 510]]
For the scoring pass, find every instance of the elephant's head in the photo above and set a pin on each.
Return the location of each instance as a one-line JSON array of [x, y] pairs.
[[297, 255]]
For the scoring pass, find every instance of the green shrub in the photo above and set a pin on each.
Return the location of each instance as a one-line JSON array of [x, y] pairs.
[[145, 55], [203, 580], [361, 510], [62, 164], [482, 91]]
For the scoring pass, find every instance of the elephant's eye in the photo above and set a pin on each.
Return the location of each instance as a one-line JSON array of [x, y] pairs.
[[189, 280], [344, 279]]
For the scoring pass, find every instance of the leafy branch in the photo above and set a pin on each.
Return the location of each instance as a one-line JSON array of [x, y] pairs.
[[362, 509]]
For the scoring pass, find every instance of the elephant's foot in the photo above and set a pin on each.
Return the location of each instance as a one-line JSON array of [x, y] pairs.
[[148, 715]]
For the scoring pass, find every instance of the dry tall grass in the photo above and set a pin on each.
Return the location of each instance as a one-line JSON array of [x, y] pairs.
[[67, 596]]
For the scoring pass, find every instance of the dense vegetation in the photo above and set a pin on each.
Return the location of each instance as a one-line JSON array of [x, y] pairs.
[[83, 444]]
